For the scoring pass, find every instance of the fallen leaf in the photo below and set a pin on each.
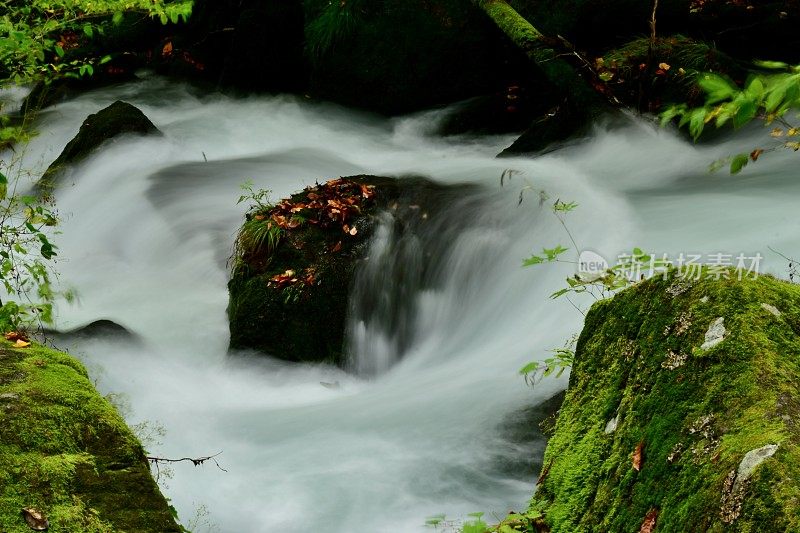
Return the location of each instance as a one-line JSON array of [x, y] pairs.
[[21, 344], [638, 457], [337, 247], [167, 50], [649, 524], [15, 336], [755, 153], [664, 66], [35, 519], [353, 230]]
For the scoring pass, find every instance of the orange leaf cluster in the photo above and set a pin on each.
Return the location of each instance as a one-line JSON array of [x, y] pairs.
[[19, 339], [290, 277], [332, 204]]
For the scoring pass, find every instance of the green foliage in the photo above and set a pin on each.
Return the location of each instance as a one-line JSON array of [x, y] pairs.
[[549, 255], [26, 254], [561, 360], [258, 235], [474, 524], [766, 96], [333, 22], [259, 199], [45, 39]]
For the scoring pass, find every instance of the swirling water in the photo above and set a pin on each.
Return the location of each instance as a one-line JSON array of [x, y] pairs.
[[149, 224]]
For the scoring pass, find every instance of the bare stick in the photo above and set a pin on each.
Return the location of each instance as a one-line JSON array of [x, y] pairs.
[[195, 461]]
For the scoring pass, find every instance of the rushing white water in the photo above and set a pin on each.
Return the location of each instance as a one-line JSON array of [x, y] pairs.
[[149, 225]]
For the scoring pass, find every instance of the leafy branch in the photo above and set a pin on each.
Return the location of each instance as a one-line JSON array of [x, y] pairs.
[[768, 97]]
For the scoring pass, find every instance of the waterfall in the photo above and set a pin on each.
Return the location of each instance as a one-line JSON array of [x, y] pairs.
[[442, 314]]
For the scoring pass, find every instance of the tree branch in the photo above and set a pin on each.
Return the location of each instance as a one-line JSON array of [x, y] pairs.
[[195, 461]]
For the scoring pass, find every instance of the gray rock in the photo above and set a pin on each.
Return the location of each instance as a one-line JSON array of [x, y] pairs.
[[715, 334], [611, 427], [772, 309], [751, 461]]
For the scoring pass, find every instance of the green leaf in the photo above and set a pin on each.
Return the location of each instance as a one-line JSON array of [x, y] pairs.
[[672, 112], [771, 65], [3, 186], [533, 260], [530, 367], [755, 89], [559, 294], [739, 162], [88, 30], [116, 20], [746, 112], [435, 520], [60, 51], [697, 121], [553, 253], [47, 251], [716, 88]]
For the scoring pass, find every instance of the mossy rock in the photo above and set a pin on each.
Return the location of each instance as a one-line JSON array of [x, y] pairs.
[[594, 25], [65, 451], [664, 415], [109, 123], [304, 320], [549, 130]]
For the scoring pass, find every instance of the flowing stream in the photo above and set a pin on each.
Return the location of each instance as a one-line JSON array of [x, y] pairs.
[[434, 422]]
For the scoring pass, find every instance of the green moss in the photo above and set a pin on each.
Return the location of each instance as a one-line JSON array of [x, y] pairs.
[[66, 451], [695, 419], [305, 321], [117, 119]]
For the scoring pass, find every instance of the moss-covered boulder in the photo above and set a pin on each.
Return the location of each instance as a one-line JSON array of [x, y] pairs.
[[117, 119], [682, 413], [295, 262], [66, 453]]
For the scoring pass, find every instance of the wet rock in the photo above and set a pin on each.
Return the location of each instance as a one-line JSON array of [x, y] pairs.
[[109, 123], [692, 421], [97, 330], [76, 465], [289, 291]]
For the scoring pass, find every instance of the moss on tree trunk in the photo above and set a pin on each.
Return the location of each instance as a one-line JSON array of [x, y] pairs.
[[540, 51]]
